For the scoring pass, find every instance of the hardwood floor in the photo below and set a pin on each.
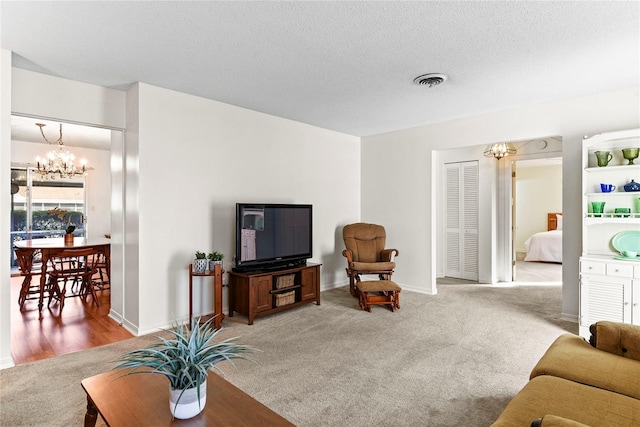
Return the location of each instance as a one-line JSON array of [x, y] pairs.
[[81, 325]]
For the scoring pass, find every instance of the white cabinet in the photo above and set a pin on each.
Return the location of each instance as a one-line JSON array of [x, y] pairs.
[[609, 288], [608, 291]]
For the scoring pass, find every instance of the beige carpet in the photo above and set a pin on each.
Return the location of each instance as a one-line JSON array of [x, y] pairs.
[[453, 359]]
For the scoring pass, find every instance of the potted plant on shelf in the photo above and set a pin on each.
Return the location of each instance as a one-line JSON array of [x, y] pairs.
[[185, 359], [200, 263], [215, 258]]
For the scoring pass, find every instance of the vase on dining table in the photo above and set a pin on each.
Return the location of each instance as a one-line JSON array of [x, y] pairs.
[[68, 239]]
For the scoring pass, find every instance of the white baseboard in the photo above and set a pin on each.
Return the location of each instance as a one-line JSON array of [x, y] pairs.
[[569, 317], [329, 286], [7, 362], [418, 290]]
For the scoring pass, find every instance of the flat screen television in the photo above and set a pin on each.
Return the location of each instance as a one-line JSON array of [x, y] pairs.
[[272, 236]]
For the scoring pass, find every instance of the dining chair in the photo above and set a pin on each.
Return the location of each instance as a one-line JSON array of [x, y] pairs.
[[30, 288], [75, 266], [101, 280]]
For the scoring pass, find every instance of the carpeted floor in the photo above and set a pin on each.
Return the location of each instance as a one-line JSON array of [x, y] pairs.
[[452, 359]]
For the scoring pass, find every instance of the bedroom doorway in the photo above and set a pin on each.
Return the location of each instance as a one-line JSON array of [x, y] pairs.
[[537, 220]]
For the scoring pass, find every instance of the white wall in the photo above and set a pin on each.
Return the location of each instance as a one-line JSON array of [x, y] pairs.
[[5, 202], [406, 186], [98, 180], [538, 192], [41, 95], [207, 156]]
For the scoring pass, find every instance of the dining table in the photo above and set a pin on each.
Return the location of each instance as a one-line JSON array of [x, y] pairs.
[[48, 247]]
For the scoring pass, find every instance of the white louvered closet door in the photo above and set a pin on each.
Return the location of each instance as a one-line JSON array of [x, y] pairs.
[[461, 220]]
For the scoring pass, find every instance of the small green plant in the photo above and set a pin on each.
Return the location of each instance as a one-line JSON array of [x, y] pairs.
[[216, 256], [200, 255], [187, 357]]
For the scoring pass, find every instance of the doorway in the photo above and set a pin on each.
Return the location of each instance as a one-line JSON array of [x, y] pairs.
[[101, 206], [537, 220], [496, 247]]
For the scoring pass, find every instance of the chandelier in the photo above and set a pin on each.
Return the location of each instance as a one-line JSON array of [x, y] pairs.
[[499, 150], [59, 161]]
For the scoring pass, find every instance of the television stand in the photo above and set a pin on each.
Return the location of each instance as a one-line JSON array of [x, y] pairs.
[[261, 293]]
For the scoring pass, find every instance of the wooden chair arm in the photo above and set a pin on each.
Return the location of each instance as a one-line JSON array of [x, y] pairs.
[[389, 254], [347, 253]]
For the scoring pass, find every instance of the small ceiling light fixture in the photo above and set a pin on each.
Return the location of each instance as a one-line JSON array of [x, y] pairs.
[[58, 161], [430, 80], [500, 150]]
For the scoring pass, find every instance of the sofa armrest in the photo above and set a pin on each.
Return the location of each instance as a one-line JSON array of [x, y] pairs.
[[620, 339], [556, 421], [389, 254]]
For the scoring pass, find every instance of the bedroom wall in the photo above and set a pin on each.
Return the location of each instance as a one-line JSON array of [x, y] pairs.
[[407, 188], [538, 191]]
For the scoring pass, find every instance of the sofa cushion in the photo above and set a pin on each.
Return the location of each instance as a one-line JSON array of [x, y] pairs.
[[567, 399], [572, 358]]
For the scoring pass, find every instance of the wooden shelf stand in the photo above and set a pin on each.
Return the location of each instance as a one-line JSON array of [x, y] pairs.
[[217, 295]]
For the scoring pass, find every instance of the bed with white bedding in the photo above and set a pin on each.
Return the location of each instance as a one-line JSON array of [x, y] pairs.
[[546, 246]]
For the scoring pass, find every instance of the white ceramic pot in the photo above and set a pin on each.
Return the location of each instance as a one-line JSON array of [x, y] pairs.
[[185, 404], [212, 265], [200, 265]]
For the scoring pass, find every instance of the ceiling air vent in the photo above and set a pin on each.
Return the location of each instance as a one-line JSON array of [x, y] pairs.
[[430, 80]]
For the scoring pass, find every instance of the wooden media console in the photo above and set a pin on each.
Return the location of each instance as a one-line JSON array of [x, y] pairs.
[[267, 292]]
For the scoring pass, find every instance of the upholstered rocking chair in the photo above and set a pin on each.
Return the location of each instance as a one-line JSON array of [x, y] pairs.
[[366, 254]]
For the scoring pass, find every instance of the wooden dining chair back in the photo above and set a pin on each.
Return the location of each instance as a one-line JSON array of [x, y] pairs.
[[71, 267], [101, 280], [30, 289]]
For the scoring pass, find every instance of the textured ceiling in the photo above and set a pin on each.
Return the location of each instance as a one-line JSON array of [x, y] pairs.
[[345, 66]]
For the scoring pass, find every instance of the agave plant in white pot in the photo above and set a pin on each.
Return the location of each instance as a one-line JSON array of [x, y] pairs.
[[185, 360]]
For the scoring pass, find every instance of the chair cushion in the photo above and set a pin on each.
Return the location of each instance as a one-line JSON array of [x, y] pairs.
[[567, 399], [377, 286], [572, 358], [372, 266], [365, 241]]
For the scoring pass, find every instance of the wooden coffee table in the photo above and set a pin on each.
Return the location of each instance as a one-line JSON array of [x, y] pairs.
[[143, 400]]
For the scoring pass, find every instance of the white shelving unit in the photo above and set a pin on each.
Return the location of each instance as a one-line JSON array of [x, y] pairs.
[[609, 288]]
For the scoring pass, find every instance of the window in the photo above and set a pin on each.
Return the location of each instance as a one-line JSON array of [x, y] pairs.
[[33, 195]]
